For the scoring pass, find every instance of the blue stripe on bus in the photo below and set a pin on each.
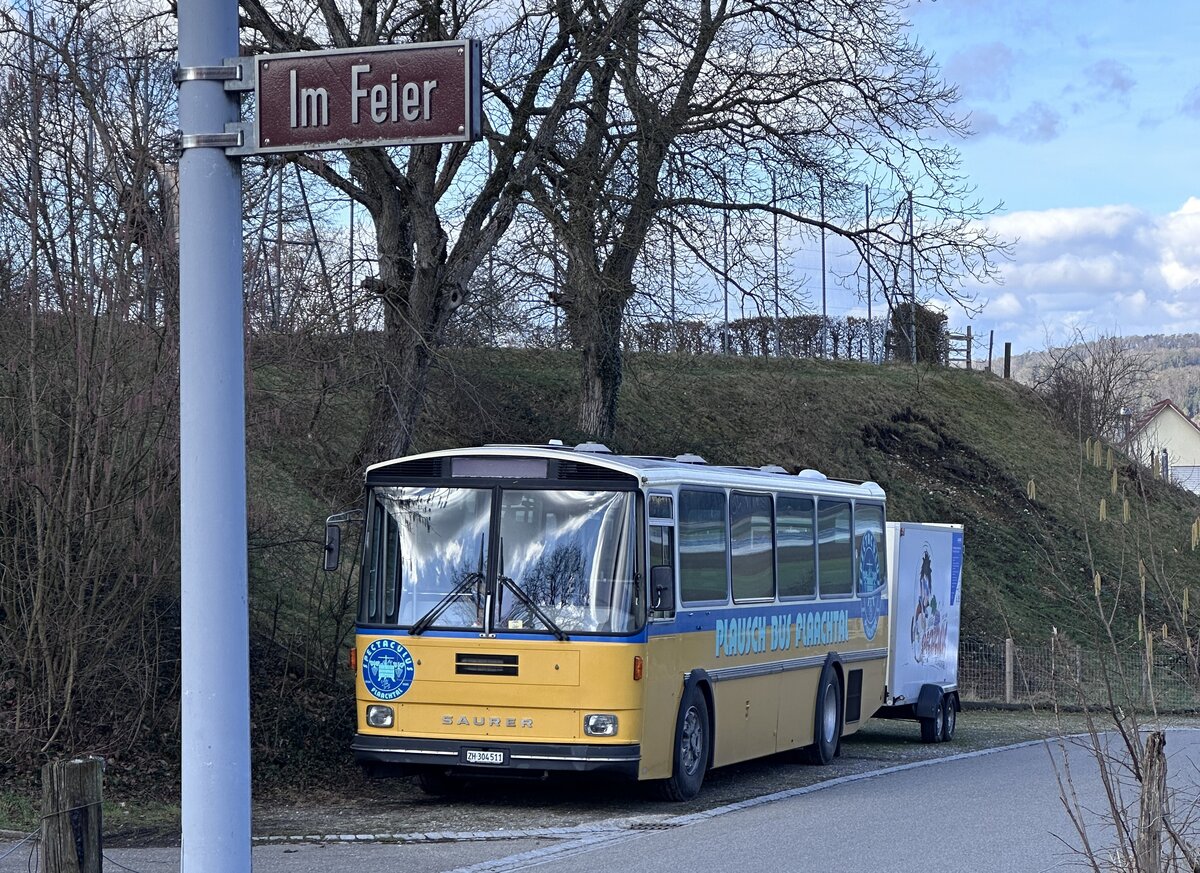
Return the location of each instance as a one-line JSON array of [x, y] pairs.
[[706, 618]]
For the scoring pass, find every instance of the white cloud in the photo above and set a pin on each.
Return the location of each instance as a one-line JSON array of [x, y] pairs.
[[1006, 305], [1051, 227], [1115, 268]]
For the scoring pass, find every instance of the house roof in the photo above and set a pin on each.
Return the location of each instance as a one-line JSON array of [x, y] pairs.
[[1153, 412]]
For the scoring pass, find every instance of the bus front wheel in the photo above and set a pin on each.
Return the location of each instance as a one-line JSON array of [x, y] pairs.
[[693, 740], [827, 721]]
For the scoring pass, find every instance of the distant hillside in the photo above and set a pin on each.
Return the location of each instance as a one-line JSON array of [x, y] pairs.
[[1173, 368]]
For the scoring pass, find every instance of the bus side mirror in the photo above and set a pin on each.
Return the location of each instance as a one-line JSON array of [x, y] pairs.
[[333, 546], [662, 588]]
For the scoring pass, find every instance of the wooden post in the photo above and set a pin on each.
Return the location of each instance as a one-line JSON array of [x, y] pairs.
[[991, 338], [1148, 841], [1008, 360], [72, 839], [968, 346], [1009, 657]]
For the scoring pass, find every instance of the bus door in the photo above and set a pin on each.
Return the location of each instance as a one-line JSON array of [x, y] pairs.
[[664, 655]]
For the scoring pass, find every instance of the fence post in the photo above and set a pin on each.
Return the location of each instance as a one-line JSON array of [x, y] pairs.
[[71, 819], [1148, 841], [1009, 657], [969, 352], [1008, 360]]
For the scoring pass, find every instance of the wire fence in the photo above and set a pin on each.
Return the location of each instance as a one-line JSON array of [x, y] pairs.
[[1069, 675]]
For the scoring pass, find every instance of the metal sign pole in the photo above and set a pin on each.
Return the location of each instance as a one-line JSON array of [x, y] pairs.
[[216, 696]]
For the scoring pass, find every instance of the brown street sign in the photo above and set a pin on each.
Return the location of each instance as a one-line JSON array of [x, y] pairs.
[[380, 96]]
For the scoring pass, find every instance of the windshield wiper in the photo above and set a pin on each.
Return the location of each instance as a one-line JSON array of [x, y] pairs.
[[422, 624], [430, 617], [532, 607]]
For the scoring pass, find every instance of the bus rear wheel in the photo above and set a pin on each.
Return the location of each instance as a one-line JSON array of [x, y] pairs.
[[693, 740], [827, 720]]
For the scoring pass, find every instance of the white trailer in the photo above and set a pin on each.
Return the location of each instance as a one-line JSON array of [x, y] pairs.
[[924, 602]]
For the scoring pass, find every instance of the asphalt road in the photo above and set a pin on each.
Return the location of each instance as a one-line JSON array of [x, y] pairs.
[[999, 811]]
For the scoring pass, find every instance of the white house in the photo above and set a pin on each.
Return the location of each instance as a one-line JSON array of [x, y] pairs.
[[1165, 429]]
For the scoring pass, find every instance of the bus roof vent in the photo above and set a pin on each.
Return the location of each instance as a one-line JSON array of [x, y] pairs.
[[812, 474], [594, 448], [689, 458], [772, 468]]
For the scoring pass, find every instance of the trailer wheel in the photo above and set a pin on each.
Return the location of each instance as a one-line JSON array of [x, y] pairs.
[[932, 726], [692, 743], [827, 721], [949, 719]]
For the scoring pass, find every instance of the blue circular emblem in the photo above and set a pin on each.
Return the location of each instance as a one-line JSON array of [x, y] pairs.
[[387, 669], [869, 584]]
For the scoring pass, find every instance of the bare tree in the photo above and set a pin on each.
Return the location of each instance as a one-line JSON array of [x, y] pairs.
[[88, 414], [704, 118], [438, 210], [1094, 383]]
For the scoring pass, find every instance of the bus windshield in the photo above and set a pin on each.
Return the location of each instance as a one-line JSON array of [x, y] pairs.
[[563, 563]]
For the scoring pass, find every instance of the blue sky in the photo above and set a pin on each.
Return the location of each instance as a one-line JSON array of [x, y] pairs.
[[1087, 120]]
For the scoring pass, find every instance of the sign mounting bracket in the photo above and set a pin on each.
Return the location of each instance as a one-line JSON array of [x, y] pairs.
[[237, 73]]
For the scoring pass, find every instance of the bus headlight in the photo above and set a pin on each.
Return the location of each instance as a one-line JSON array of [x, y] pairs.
[[600, 725], [380, 716]]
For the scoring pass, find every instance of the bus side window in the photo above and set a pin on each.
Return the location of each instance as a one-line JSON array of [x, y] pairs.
[[752, 543], [391, 571], [871, 552], [796, 547], [703, 546], [662, 551], [835, 554], [378, 517], [662, 554]]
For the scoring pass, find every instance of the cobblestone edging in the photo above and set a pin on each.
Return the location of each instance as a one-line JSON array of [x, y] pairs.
[[610, 827]]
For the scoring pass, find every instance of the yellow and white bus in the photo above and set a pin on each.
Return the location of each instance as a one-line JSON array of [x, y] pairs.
[[538, 608]]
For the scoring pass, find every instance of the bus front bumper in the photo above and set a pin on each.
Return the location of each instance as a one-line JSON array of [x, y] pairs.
[[483, 757]]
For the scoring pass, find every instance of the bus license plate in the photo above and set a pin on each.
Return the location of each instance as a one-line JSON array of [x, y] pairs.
[[484, 756]]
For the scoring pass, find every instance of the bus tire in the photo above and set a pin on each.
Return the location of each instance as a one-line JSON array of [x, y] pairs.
[[827, 719], [949, 718], [931, 726], [693, 742]]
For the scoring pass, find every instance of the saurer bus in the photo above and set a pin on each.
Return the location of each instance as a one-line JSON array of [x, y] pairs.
[[547, 608]]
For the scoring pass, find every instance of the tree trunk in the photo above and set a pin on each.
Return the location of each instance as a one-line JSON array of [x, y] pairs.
[[405, 363], [418, 304], [596, 331]]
